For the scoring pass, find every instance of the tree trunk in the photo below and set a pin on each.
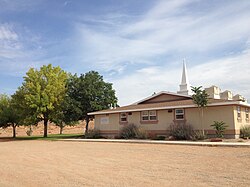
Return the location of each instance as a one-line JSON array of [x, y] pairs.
[[87, 125], [202, 114], [14, 130], [61, 129], [45, 131]]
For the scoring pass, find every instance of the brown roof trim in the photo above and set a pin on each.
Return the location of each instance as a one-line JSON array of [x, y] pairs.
[[138, 110], [112, 111], [160, 93]]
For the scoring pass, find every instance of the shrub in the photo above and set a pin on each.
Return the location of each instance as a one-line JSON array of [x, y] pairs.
[[198, 135], [181, 131], [141, 133], [220, 127], [29, 132], [93, 133], [131, 131], [245, 132]]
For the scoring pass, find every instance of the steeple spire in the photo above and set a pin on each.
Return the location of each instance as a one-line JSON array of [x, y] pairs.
[[184, 86]]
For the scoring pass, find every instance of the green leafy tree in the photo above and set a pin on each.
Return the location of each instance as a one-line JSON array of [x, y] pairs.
[[44, 91], [63, 117], [220, 127], [10, 113], [26, 112], [89, 93], [200, 98], [59, 119], [68, 113]]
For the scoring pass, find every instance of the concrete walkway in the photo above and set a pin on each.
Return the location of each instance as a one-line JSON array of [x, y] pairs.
[[190, 143]]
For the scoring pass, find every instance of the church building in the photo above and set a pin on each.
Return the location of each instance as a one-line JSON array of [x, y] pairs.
[[156, 113]]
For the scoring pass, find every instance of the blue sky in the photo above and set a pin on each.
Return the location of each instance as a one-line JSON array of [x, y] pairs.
[[138, 45]]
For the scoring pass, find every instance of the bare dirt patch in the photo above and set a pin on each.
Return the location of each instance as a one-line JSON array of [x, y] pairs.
[[56, 163]]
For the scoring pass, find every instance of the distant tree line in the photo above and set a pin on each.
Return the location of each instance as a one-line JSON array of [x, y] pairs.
[[53, 95]]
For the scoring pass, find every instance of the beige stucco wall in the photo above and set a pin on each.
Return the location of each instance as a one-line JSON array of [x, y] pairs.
[[113, 124], [211, 114], [228, 114], [164, 119], [241, 121]]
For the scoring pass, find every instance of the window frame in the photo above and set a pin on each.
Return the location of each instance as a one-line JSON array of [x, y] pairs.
[[247, 114], [126, 117], [145, 115], [238, 109], [149, 116], [179, 114], [155, 115]]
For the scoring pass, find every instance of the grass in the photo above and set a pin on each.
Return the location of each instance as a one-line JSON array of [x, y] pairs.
[[50, 137]]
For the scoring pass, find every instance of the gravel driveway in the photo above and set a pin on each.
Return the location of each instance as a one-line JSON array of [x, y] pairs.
[[56, 163]]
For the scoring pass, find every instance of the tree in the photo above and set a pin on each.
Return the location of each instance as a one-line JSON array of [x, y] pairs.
[[10, 113], [89, 93], [63, 117], [44, 91], [26, 113], [61, 121], [200, 98], [220, 127]]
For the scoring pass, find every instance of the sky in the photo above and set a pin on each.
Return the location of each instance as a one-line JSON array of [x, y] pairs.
[[138, 45]]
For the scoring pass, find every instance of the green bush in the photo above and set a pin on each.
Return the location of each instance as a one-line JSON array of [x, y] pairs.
[[181, 131], [220, 127], [131, 131], [245, 132], [93, 133]]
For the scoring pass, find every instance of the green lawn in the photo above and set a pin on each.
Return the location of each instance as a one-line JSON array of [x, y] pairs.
[[50, 137]]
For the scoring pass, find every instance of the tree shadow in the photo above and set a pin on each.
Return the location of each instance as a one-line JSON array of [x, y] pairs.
[[50, 137], [6, 139]]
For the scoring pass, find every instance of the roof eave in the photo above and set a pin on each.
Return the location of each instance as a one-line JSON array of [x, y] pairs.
[[159, 93], [141, 109], [169, 107]]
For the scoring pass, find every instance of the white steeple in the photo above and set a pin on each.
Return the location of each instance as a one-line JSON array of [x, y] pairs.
[[184, 86]]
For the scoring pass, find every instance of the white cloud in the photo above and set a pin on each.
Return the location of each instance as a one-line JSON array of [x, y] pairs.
[[142, 53], [9, 42], [163, 8], [214, 38], [187, 31], [144, 82], [19, 50], [168, 28], [229, 73], [7, 33]]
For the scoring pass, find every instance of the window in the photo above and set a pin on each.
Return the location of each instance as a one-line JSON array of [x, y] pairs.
[[247, 114], [149, 115], [123, 117], [238, 112], [179, 114], [144, 116], [152, 115]]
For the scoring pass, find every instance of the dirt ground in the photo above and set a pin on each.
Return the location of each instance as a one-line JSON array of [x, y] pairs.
[[60, 163]]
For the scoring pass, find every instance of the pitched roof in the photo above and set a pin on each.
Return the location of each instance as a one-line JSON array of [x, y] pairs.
[[167, 105], [160, 93]]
